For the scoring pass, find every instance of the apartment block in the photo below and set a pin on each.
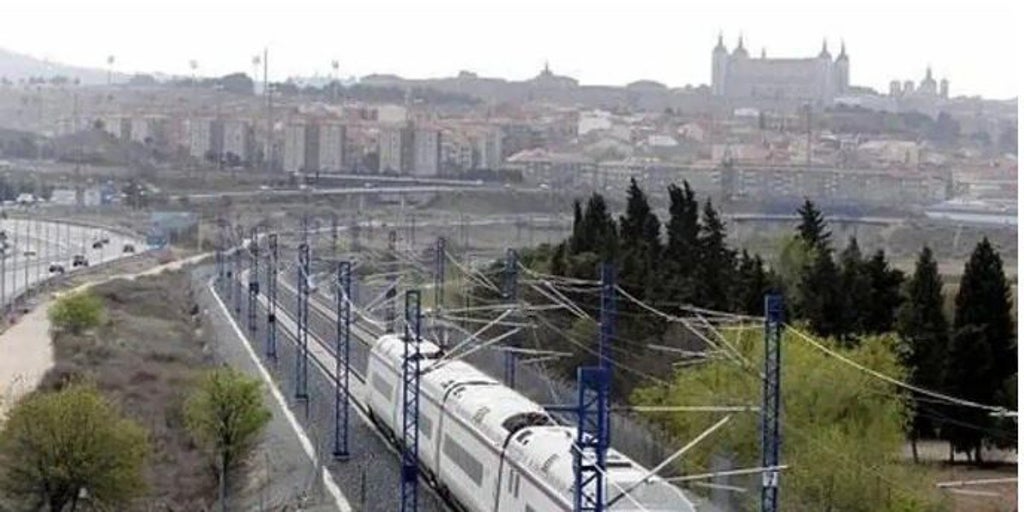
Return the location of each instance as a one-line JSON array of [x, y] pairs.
[[332, 147]]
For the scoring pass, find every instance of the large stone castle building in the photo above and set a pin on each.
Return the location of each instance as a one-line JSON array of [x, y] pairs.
[[817, 79]]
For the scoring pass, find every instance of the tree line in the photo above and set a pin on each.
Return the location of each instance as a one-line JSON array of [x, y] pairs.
[[686, 260]]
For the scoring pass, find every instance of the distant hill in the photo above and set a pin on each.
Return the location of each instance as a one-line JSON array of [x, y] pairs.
[[16, 66]]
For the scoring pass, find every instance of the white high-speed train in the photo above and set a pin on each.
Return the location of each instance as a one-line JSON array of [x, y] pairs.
[[492, 449]]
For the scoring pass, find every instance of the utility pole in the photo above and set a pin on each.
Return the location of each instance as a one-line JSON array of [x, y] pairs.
[[302, 314], [392, 291], [411, 402], [770, 435], [269, 157], [271, 346], [343, 331], [511, 282], [592, 436], [439, 260], [237, 286], [254, 279], [334, 234]]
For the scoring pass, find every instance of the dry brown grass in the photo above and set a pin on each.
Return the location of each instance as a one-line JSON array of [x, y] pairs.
[[145, 357]]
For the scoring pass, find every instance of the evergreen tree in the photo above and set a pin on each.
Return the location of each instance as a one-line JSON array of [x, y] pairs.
[[982, 355], [681, 248], [813, 229], [577, 227], [753, 282], [597, 230], [633, 224], [558, 260], [879, 312], [970, 374], [640, 232], [984, 300], [925, 333], [716, 262], [820, 299], [855, 291]]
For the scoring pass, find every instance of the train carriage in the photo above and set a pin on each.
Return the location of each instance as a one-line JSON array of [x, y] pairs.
[[491, 448]]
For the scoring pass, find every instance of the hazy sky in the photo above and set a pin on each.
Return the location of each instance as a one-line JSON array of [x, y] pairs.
[[973, 43]]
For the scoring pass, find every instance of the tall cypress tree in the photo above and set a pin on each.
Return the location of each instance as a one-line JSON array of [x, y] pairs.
[[925, 333], [879, 312], [753, 282], [577, 227], [640, 232], [638, 211], [813, 229], [716, 262], [982, 355], [681, 247], [598, 233], [984, 300], [855, 291], [821, 302], [970, 374]]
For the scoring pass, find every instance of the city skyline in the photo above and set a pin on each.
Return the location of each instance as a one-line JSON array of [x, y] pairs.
[[613, 44]]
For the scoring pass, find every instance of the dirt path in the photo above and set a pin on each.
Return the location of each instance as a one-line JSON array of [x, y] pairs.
[[26, 354]]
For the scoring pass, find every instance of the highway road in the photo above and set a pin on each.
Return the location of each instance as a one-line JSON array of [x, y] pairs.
[[32, 246]]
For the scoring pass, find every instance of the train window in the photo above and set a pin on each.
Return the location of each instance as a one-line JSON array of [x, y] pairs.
[[382, 385], [464, 460]]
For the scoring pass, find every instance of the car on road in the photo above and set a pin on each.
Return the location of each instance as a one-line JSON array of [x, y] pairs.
[[97, 245], [128, 249], [79, 261], [104, 240], [29, 253], [56, 268]]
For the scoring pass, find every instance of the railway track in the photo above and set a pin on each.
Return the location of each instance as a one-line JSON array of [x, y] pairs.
[[322, 356]]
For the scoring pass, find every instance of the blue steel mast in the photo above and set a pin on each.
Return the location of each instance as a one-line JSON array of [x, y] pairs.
[[411, 402], [593, 436]]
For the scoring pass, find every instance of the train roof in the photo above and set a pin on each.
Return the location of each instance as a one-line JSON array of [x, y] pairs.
[[440, 378], [393, 346], [498, 411], [548, 451]]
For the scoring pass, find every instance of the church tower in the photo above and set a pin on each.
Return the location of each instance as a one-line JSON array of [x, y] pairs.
[[719, 67], [824, 77], [842, 71]]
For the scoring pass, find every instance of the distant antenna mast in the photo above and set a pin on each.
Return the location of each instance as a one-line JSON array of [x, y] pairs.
[[268, 152], [110, 69], [334, 80]]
